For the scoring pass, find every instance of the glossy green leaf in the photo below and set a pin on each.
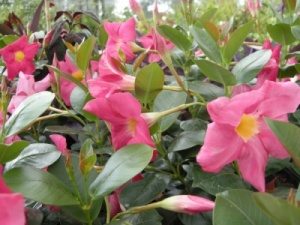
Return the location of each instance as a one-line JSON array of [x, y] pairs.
[[208, 15], [145, 190], [175, 36], [236, 207], [11, 151], [288, 134], [281, 33], [212, 30], [214, 183], [296, 31], [149, 82], [120, 168], [27, 112], [39, 186], [236, 40], [84, 53], [38, 155], [248, 68], [62, 130], [194, 124], [207, 90], [206, 43], [216, 72], [279, 210], [187, 139], [167, 100]]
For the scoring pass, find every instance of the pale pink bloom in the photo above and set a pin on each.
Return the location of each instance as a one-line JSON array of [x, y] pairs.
[[66, 86], [253, 7], [187, 204], [148, 42], [60, 142], [18, 57], [26, 87], [268, 72], [123, 112], [12, 205], [120, 35], [239, 132], [135, 7]]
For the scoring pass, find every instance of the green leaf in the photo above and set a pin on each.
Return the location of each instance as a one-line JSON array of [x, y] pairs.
[[236, 40], [288, 134], [208, 15], [145, 190], [38, 155], [215, 72], [187, 139], [120, 168], [27, 112], [214, 183], [248, 68], [149, 82], [236, 207], [175, 36], [277, 209], [11, 151], [39, 186], [167, 100], [84, 53], [206, 43], [87, 157], [62, 130], [207, 90], [296, 31], [281, 33]]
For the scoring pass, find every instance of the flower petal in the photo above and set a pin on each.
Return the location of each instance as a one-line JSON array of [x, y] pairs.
[[221, 146]]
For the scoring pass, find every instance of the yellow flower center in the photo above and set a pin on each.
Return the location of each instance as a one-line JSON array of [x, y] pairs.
[[19, 56], [132, 125], [78, 75], [248, 127]]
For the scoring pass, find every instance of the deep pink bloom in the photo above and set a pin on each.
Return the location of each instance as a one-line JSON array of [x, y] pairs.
[[66, 86], [18, 57], [239, 132], [187, 204], [148, 42], [60, 142], [26, 87], [12, 205], [123, 112], [120, 35]]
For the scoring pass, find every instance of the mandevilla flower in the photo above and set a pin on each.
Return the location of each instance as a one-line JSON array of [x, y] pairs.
[[239, 132], [120, 35], [12, 205], [123, 112], [18, 57], [253, 7], [187, 204], [26, 87]]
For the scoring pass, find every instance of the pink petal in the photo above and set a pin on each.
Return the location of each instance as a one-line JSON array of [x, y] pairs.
[[252, 163], [12, 209], [59, 141], [221, 146], [3, 186], [279, 98], [127, 30], [43, 84]]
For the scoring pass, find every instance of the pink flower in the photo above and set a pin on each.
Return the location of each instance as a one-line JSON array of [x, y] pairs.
[[60, 142], [135, 7], [26, 87], [187, 204], [18, 57], [66, 86], [253, 7], [120, 37], [123, 112], [238, 131], [12, 205], [148, 42]]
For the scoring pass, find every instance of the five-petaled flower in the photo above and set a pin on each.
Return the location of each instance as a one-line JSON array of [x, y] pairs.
[[239, 132], [18, 56], [123, 112]]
